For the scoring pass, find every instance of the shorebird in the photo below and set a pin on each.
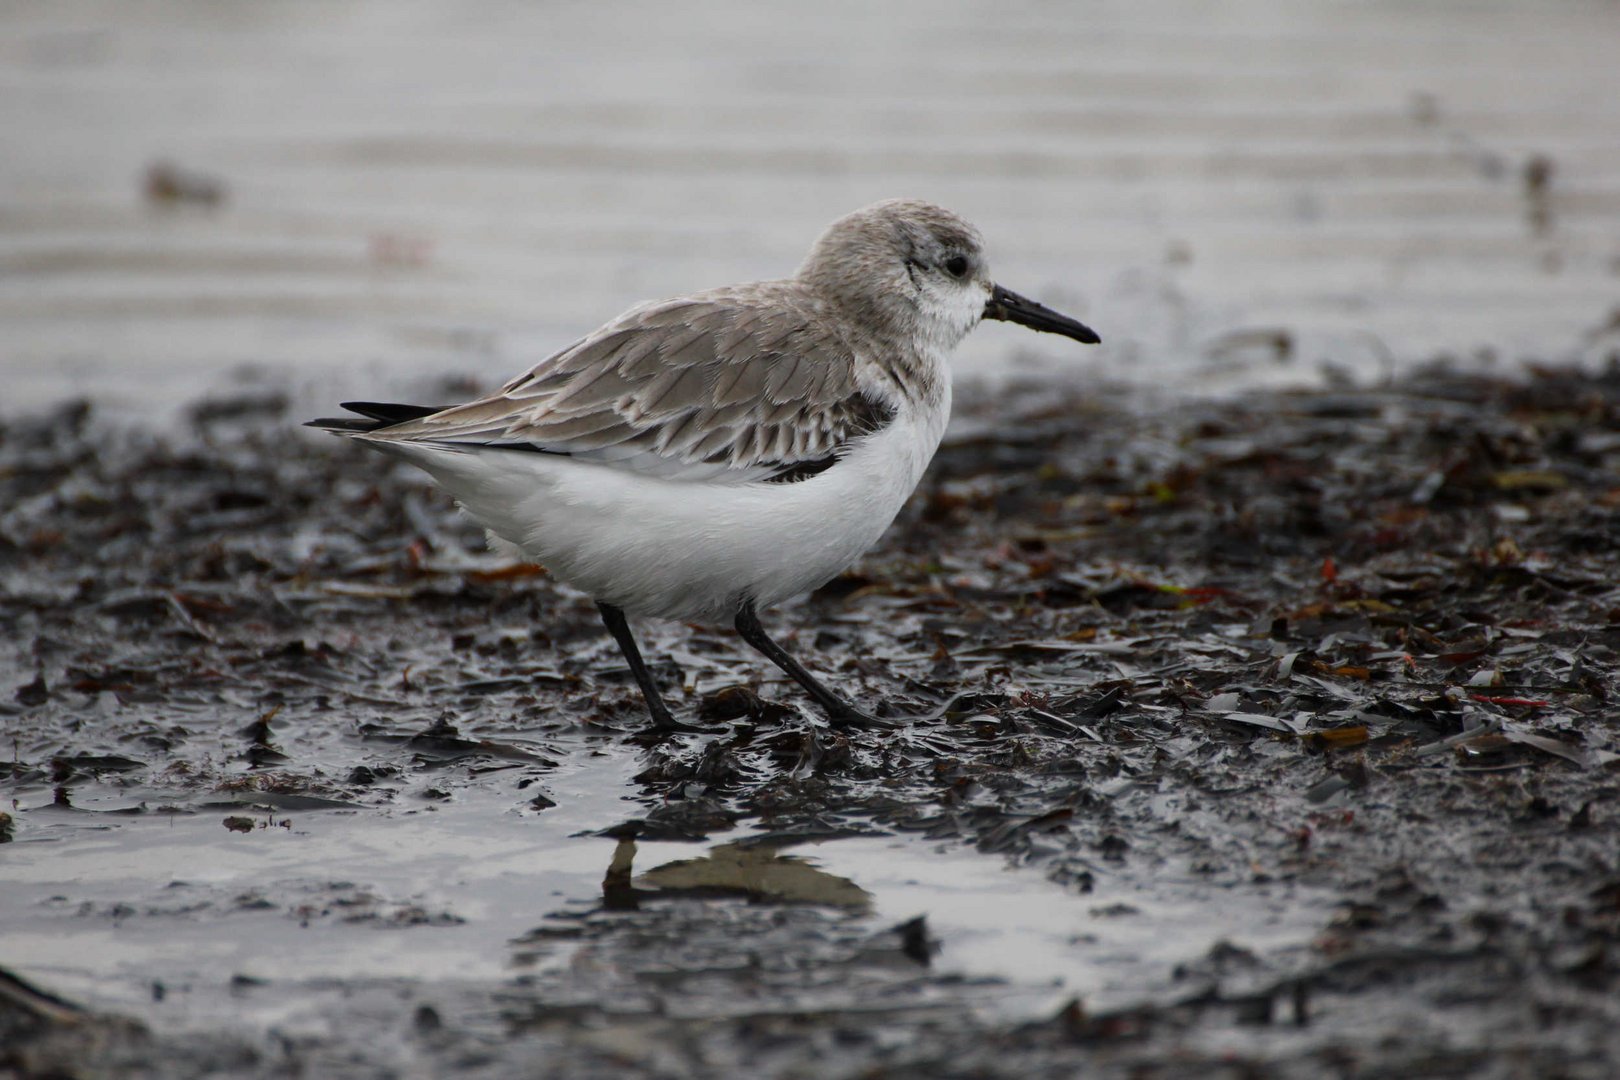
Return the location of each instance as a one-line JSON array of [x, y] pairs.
[[707, 456]]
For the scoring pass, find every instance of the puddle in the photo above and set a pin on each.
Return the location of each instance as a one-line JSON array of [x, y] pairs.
[[1113, 946], [189, 925], [106, 911]]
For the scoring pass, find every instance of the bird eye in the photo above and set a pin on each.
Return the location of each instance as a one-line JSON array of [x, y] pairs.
[[956, 266]]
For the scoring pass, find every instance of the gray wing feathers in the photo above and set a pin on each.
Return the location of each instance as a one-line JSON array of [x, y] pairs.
[[699, 387]]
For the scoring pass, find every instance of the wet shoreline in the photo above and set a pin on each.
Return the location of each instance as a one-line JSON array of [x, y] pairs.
[[1263, 735]]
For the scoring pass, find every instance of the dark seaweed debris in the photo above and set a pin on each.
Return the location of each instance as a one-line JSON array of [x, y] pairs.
[[1360, 641]]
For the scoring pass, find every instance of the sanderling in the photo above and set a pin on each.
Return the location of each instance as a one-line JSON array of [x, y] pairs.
[[706, 456]]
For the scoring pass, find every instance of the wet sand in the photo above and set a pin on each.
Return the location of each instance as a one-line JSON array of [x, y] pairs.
[[1262, 738]]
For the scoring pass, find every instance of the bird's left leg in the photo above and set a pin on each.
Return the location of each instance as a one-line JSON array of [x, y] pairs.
[[839, 711]]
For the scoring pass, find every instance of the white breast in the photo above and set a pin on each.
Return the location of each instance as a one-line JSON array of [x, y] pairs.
[[690, 549]]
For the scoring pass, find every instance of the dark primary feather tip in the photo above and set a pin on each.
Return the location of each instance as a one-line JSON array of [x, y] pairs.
[[342, 424], [392, 413], [378, 415]]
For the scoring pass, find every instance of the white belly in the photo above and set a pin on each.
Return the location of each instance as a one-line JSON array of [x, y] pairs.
[[688, 549]]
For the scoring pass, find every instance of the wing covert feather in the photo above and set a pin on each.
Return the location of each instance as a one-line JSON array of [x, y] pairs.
[[727, 384]]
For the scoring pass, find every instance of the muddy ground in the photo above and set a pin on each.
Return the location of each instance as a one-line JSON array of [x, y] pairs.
[[1349, 652]]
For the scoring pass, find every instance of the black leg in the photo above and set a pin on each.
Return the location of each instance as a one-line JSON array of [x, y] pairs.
[[838, 710], [614, 618]]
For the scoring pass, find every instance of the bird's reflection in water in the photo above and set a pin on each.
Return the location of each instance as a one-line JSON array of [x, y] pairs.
[[755, 872]]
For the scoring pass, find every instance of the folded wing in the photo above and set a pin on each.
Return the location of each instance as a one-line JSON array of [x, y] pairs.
[[728, 385]]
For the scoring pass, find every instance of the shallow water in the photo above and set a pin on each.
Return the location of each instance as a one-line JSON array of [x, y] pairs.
[[268, 930], [433, 894], [406, 191]]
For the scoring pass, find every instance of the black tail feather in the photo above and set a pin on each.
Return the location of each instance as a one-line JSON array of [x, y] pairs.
[[378, 415]]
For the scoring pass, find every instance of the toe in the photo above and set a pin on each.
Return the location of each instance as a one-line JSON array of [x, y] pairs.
[[851, 717]]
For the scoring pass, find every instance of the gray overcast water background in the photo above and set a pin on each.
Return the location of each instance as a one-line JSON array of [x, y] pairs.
[[414, 189]]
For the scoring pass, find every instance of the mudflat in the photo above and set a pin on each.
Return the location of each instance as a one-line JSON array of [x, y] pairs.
[[1265, 736]]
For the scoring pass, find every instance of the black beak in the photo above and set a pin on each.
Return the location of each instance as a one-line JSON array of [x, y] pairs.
[[1009, 306]]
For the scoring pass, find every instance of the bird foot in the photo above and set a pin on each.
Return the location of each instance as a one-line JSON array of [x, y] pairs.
[[666, 725], [849, 716]]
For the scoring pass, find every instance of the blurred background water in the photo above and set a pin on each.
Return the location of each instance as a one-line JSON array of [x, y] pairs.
[[335, 198]]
